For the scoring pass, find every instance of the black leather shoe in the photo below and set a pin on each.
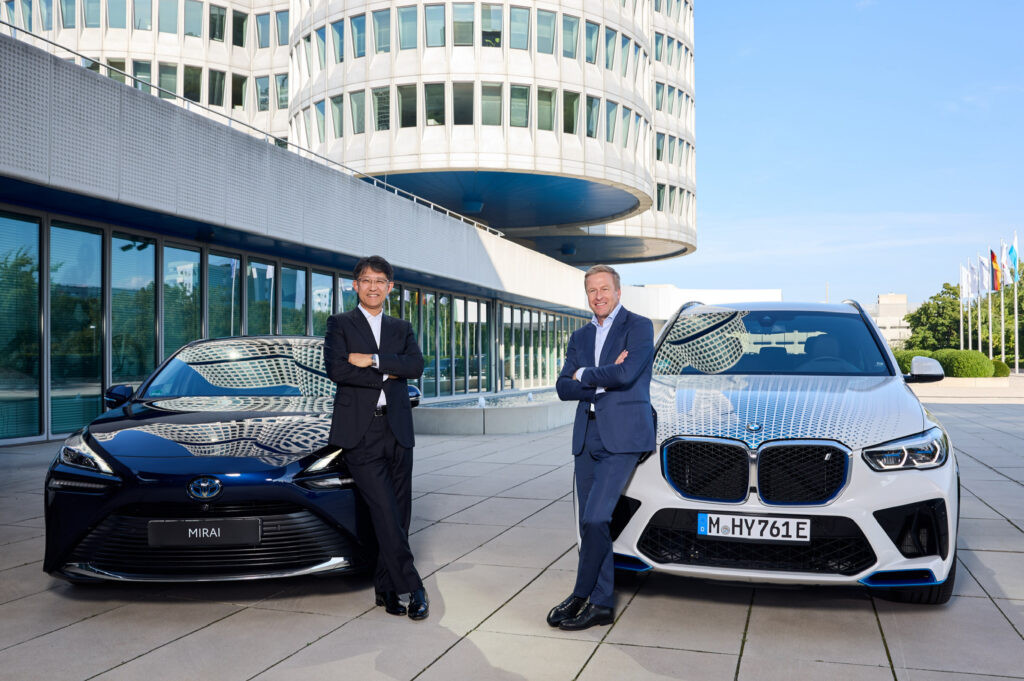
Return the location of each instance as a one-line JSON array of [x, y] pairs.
[[591, 615], [389, 599], [419, 604], [567, 609]]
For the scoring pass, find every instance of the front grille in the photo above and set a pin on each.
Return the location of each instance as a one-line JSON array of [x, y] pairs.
[[800, 474], [837, 546], [714, 471], [292, 539]]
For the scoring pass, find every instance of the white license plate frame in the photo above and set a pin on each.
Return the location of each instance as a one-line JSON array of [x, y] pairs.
[[761, 529]]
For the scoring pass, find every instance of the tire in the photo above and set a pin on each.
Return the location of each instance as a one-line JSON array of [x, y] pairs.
[[937, 594]]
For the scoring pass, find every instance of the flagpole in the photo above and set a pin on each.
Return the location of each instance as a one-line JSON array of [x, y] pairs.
[[979, 307], [1002, 304], [990, 334], [1016, 276], [961, 307], [970, 326]]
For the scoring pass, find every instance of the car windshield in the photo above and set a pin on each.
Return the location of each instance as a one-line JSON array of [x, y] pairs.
[[718, 340], [245, 367]]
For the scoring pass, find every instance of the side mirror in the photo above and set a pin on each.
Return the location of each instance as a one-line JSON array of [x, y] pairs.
[[117, 395], [924, 370], [414, 396]]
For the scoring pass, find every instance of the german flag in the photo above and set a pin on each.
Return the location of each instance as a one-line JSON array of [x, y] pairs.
[[996, 273]]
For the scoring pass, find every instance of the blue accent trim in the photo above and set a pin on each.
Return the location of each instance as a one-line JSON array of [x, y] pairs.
[[626, 562], [846, 474], [870, 579], [668, 479]]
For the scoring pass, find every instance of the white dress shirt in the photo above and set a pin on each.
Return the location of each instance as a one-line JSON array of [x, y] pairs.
[[375, 321], [599, 338]]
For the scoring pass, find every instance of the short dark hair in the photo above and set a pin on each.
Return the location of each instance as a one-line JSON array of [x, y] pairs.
[[375, 263]]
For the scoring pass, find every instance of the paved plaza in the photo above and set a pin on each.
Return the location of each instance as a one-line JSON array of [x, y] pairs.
[[492, 528]]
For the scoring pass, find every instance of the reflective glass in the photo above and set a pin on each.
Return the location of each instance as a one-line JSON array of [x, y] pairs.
[[462, 23], [570, 111], [143, 72], [626, 113], [224, 295], [358, 101], [462, 103], [411, 303], [545, 108], [46, 14], [261, 298], [181, 318], [321, 46], [434, 21], [321, 123], [218, 18], [508, 347], [624, 65], [484, 347], [519, 28], [322, 296], [670, 50], [490, 25], [239, 26], [459, 341], [167, 75], [338, 115], [359, 35], [238, 86], [591, 38], [263, 93], [382, 108], [338, 40], [519, 106], [609, 48], [194, 18], [167, 21], [282, 27], [659, 42], [433, 95], [490, 103], [444, 344], [293, 301], [428, 343], [593, 114], [20, 349], [406, 106], [546, 32], [132, 307], [142, 13], [67, 13], [659, 146], [262, 30], [407, 28], [382, 31], [281, 81], [90, 10], [570, 35]]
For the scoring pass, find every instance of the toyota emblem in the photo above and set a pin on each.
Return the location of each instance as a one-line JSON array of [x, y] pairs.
[[204, 488]]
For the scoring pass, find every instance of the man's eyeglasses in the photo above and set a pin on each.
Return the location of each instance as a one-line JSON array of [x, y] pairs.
[[373, 283]]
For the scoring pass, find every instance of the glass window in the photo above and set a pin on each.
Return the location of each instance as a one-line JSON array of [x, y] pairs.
[[433, 96], [90, 10], [670, 50], [282, 27], [659, 95], [519, 106], [406, 106], [321, 46], [624, 66], [459, 338], [167, 75], [519, 28], [76, 326], [261, 293], [263, 93], [484, 348], [671, 199], [167, 21], [659, 146], [121, 67], [671, 103], [434, 22], [117, 13], [546, 32], [490, 103], [67, 12], [239, 24], [609, 48], [338, 40], [462, 23], [611, 110], [407, 28], [444, 344], [462, 103], [143, 72], [322, 296], [218, 17], [382, 31], [142, 12], [192, 85], [382, 108], [181, 319], [359, 35], [19, 326], [570, 111], [593, 113], [293, 301], [215, 88], [238, 85], [132, 307], [307, 48], [490, 25], [591, 38], [660, 202], [281, 83], [570, 35], [545, 108], [358, 101], [321, 123], [428, 343], [659, 41], [46, 15], [671, 149], [626, 113], [338, 115], [309, 131], [194, 18]]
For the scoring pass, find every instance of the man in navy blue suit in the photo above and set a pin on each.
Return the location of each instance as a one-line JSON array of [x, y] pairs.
[[608, 370]]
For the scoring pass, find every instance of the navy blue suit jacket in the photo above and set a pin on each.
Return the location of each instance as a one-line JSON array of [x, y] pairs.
[[624, 418]]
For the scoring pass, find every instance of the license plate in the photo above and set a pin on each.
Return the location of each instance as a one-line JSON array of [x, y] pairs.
[[219, 532], [754, 528]]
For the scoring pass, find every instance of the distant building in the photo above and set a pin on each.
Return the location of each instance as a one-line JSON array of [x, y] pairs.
[[889, 314]]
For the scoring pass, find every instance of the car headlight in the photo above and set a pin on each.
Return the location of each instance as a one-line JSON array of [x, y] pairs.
[[929, 449], [75, 452], [323, 462]]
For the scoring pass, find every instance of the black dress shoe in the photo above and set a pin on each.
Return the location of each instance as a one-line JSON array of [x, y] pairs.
[[591, 615], [567, 609], [419, 604], [389, 599]]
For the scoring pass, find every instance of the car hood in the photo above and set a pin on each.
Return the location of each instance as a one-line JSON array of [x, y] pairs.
[[857, 411], [277, 430]]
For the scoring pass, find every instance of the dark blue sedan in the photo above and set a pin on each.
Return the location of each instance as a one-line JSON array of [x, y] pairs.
[[216, 468]]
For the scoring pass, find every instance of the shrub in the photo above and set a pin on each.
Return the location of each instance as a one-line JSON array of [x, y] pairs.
[[964, 363], [1001, 369], [903, 358]]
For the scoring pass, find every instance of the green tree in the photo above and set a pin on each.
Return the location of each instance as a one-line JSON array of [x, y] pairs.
[[936, 323]]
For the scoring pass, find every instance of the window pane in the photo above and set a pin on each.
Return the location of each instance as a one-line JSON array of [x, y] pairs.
[[624, 65], [444, 348], [263, 93], [611, 116], [593, 112], [519, 28], [434, 20], [143, 72], [570, 35], [194, 18], [661, 197], [484, 347], [67, 12], [224, 296], [407, 28], [260, 289], [382, 31], [91, 10], [338, 115], [293, 301], [671, 148], [322, 295], [282, 27], [659, 95], [19, 327], [592, 31], [218, 16], [407, 106], [545, 109], [215, 88], [428, 344], [143, 14], [670, 49], [659, 146], [321, 46], [570, 111], [358, 102], [609, 48], [433, 94], [262, 30], [309, 132], [490, 104], [117, 13], [462, 23], [321, 123], [76, 323], [382, 108], [545, 32], [46, 14], [168, 19], [239, 24], [659, 41], [359, 35], [462, 103], [193, 83], [348, 298], [238, 84], [181, 314], [121, 67], [281, 81], [459, 341], [490, 25], [338, 40], [168, 80], [626, 113], [132, 307], [519, 106]]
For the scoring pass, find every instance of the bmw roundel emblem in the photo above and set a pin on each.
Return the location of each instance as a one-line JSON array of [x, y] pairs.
[[754, 427], [204, 488]]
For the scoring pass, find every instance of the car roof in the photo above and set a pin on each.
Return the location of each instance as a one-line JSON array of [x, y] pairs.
[[837, 308]]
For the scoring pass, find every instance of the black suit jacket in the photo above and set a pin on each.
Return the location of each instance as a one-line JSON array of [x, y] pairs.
[[358, 388]]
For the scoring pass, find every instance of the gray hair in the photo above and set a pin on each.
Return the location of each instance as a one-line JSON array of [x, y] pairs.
[[599, 269]]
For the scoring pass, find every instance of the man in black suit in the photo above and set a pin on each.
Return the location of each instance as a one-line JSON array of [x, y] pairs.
[[371, 356]]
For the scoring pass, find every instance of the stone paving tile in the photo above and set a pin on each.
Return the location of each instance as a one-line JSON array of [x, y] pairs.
[[498, 511], [1005, 497], [24, 581], [973, 507], [981, 534], [555, 516], [524, 547], [10, 534], [614, 662], [1013, 610], [925, 675], [340, 596], [1000, 573], [432, 482], [508, 657], [21, 506], [32, 616], [22, 552], [553, 485], [445, 542], [781, 669], [463, 594], [437, 505]]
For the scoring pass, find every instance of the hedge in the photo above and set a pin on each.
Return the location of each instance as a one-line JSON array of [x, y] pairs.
[[964, 363], [1001, 369], [903, 358]]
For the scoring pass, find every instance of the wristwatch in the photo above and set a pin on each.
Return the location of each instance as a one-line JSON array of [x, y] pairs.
[[375, 360]]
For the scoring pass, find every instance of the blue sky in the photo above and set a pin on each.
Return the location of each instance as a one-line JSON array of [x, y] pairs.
[[869, 145]]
